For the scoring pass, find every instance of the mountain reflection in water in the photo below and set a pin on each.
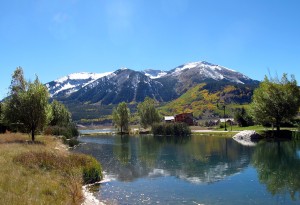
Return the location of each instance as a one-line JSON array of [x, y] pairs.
[[196, 159]]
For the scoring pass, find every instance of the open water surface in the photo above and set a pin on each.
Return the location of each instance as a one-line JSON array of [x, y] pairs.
[[197, 170]]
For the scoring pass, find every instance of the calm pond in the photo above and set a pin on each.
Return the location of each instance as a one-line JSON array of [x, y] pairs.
[[197, 170]]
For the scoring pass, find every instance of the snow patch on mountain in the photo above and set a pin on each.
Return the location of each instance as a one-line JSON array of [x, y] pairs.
[[149, 80], [154, 74], [207, 70], [74, 82], [211, 74], [82, 76], [203, 65], [65, 87]]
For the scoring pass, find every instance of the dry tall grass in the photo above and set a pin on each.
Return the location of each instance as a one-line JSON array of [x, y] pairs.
[[38, 173]]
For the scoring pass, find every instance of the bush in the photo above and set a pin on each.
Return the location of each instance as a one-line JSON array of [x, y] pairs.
[[69, 133], [168, 129], [92, 171], [243, 118], [222, 125], [73, 142], [70, 142], [91, 168]]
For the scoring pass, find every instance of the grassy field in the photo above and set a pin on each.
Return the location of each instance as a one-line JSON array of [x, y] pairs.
[[256, 128], [44, 172]]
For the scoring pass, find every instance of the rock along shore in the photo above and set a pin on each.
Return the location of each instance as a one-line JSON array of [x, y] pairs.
[[247, 137]]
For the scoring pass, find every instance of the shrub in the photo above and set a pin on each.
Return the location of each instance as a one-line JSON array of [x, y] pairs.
[[222, 125], [168, 129], [92, 171], [91, 168], [243, 118], [72, 142], [69, 133]]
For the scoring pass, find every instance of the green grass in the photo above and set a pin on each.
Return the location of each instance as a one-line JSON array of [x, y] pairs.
[[215, 134], [255, 127], [44, 172]]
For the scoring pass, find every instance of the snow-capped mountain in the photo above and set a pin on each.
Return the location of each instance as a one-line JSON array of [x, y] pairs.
[[133, 86], [72, 83], [153, 74], [122, 85], [204, 70]]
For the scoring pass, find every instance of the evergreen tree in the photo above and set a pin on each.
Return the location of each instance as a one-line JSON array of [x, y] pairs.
[[276, 101], [121, 117]]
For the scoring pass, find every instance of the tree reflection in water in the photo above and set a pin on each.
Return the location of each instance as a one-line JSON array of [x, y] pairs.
[[278, 166], [198, 159]]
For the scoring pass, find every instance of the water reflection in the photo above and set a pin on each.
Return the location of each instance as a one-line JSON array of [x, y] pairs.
[[198, 159], [278, 166]]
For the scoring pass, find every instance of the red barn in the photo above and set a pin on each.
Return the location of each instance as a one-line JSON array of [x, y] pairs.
[[186, 118]]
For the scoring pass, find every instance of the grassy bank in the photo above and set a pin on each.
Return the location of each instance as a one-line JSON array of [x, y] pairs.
[[257, 128], [44, 172]]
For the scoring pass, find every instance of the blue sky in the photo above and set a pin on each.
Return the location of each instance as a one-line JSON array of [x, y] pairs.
[[58, 37]]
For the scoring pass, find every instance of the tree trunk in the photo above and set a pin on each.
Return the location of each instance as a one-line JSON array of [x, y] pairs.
[[278, 128], [32, 135], [278, 125]]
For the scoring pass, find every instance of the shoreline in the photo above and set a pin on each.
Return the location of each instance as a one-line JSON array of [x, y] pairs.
[[89, 198]]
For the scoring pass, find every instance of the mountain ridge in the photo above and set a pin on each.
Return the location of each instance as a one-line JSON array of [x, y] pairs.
[[133, 86]]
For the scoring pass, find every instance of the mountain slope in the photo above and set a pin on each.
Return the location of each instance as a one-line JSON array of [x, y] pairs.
[[153, 74], [204, 98], [69, 84], [133, 86], [122, 85], [184, 77]]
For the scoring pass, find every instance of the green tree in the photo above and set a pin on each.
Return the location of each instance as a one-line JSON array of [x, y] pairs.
[[12, 107], [28, 104], [35, 109], [147, 113], [60, 114], [18, 83], [2, 127], [1, 111], [276, 101], [242, 118], [121, 116]]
